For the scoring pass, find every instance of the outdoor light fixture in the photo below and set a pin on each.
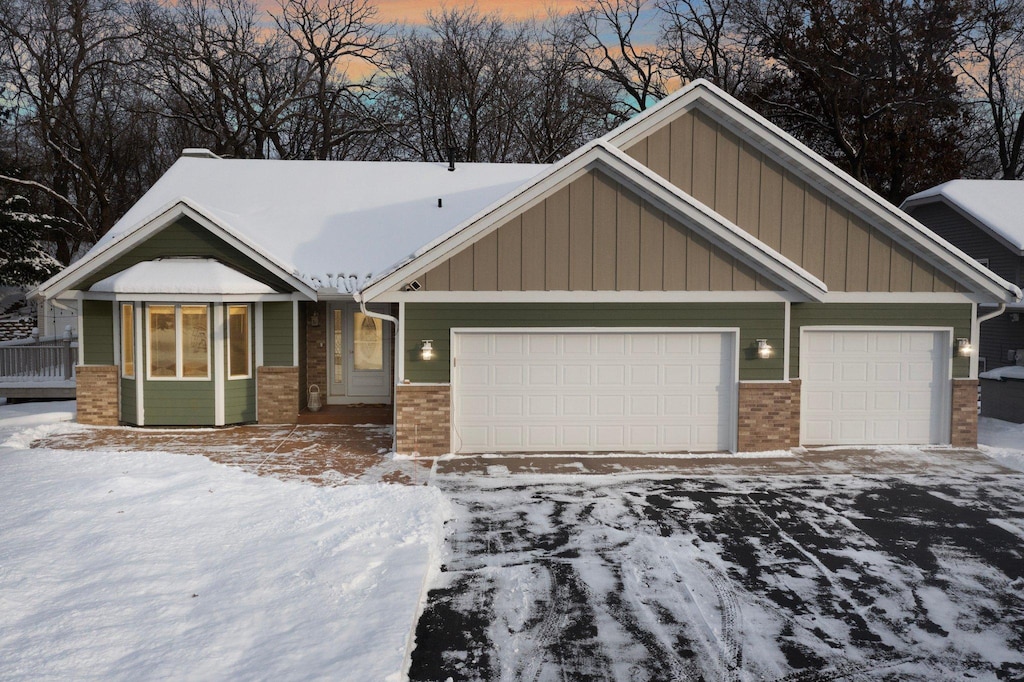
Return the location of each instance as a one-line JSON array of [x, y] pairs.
[[963, 347], [427, 349], [764, 351], [314, 319]]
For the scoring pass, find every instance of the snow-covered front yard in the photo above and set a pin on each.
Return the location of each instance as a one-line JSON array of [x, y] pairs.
[[151, 565]]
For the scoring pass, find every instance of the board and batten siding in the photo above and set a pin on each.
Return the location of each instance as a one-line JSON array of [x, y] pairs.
[[185, 238], [98, 333], [278, 334], [711, 163], [435, 321], [593, 234], [955, 315]]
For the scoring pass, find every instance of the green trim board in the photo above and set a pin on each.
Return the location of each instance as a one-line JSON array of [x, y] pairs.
[[129, 408], [278, 334], [435, 321], [98, 333], [183, 238], [955, 315]]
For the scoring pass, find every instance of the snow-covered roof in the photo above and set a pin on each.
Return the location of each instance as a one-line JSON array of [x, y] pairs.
[[180, 276], [332, 223], [997, 205]]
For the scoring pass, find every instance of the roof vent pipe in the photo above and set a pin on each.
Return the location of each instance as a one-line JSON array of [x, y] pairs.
[[451, 158]]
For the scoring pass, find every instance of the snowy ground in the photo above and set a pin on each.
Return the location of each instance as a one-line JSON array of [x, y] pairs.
[[151, 565], [893, 577]]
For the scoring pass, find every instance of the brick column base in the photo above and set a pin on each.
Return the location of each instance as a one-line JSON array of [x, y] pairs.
[[423, 419], [963, 431], [769, 415], [277, 395], [97, 389]]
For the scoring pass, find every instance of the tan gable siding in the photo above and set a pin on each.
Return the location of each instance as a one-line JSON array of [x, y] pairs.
[[593, 235], [732, 176]]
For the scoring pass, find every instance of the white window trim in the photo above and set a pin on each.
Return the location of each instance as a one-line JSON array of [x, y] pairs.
[[248, 341], [120, 339], [178, 345]]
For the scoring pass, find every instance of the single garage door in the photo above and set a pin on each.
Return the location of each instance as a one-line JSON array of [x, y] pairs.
[[875, 387], [542, 391]]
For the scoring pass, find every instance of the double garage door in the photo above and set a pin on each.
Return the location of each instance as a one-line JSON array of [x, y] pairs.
[[541, 391]]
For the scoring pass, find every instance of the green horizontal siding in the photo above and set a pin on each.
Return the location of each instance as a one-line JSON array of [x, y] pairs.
[[435, 321], [179, 403], [98, 332], [955, 315], [278, 334], [129, 413], [185, 237]]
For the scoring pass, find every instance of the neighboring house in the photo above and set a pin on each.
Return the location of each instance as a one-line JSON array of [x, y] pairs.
[[696, 280], [984, 219]]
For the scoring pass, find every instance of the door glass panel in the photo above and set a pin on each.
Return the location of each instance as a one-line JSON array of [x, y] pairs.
[[369, 346], [194, 329], [339, 349]]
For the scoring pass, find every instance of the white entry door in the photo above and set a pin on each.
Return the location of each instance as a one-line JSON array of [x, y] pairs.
[[863, 387], [360, 358], [551, 391]]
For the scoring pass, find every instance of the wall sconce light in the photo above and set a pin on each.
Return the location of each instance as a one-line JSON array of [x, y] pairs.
[[314, 319], [963, 347], [764, 351], [427, 349]]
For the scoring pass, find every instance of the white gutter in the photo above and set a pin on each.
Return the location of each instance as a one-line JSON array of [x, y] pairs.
[[358, 297], [998, 311]]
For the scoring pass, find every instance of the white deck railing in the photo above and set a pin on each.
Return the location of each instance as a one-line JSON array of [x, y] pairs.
[[39, 361]]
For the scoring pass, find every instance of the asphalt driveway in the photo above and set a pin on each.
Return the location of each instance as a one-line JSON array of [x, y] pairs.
[[914, 576]]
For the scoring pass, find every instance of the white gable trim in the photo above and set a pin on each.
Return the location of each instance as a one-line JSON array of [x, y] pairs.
[[835, 182], [123, 243], [669, 198]]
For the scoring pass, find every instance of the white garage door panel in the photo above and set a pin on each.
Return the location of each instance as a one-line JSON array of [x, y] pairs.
[[600, 391], [875, 387]]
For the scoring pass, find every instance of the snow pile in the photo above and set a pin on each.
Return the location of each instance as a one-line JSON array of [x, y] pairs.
[[1002, 441], [157, 565], [181, 276], [1008, 372]]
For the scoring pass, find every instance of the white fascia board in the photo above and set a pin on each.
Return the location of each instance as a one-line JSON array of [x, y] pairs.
[[183, 298], [589, 297], [904, 297], [966, 215], [670, 198], [182, 207], [836, 182]]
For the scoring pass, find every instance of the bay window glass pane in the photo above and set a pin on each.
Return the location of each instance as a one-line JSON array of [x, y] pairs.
[[369, 346], [127, 340], [194, 338], [162, 355], [238, 340]]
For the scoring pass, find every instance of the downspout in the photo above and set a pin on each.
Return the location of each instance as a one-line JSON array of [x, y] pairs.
[[998, 311], [358, 297]]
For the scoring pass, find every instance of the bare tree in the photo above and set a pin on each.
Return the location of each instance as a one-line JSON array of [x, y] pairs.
[[993, 68], [704, 39], [77, 134], [605, 42], [459, 86]]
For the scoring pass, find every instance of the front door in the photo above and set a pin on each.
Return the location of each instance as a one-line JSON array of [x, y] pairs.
[[360, 362]]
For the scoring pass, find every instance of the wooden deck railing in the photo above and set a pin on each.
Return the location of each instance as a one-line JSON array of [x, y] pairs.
[[42, 361]]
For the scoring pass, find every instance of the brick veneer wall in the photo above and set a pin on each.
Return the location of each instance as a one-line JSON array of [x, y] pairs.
[[316, 352], [964, 415], [97, 391], [769, 415], [277, 395], [423, 419]]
